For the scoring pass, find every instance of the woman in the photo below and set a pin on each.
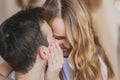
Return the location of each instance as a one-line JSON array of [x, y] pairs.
[[72, 26]]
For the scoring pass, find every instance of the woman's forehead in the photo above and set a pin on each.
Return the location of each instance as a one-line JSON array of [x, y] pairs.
[[58, 26]]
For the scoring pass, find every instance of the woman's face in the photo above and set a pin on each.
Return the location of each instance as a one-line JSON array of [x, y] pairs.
[[59, 33]]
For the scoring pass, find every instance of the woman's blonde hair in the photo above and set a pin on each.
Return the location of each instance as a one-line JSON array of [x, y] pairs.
[[86, 49], [84, 59]]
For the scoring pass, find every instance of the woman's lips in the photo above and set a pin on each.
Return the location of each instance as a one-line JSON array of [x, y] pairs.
[[65, 52]]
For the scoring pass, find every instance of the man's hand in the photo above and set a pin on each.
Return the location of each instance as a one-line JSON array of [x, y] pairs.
[[55, 62]]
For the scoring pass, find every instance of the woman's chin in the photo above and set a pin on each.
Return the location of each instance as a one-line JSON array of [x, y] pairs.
[[66, 54]]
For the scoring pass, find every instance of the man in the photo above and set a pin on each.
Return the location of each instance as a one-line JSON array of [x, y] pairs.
[[24, 42]]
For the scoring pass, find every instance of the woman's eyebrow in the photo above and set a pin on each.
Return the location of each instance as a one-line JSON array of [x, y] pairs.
[[59, 37]]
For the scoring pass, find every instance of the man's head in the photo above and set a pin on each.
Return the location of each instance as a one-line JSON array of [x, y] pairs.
[[21, 37]]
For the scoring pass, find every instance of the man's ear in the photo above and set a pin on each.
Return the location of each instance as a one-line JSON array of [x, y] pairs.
[[43, 53]]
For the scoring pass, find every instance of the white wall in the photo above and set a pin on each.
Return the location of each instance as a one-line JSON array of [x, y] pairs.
[[108, 18], [2, 10], [7, 8]]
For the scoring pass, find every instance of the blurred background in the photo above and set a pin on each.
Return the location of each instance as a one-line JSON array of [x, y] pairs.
[[106, 20]]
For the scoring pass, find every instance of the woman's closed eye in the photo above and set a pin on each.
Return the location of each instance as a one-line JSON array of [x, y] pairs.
[[59, 37]]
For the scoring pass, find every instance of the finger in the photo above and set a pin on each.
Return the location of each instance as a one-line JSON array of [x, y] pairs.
[[56, 53], [59, 63], [50, 64], [60, 52], [56, 58]]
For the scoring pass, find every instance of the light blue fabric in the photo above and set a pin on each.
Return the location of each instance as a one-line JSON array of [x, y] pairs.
[[12, 76], [103, 69], [66, 70]]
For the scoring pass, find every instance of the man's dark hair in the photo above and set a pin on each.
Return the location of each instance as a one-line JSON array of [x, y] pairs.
[[20, 37]]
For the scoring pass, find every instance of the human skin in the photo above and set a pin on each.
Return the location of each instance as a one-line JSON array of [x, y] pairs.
[[59, 33]]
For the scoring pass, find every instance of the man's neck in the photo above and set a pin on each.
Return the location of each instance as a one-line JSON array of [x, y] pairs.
[[36, 73]]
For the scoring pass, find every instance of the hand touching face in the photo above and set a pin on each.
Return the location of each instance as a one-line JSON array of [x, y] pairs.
[[55, 61]]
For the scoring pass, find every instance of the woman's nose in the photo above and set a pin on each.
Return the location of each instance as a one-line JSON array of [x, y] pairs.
[[59, 41]]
